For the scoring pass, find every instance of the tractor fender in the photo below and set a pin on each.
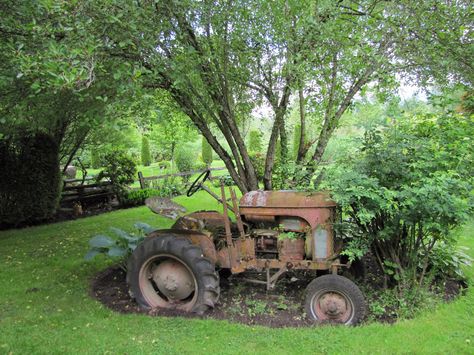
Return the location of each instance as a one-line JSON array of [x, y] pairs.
[[202, 240], [200, 220]]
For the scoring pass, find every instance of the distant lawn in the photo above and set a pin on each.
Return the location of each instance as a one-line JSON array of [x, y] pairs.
[[45, 306]]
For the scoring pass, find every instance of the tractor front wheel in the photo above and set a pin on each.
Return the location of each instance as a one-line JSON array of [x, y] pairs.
[[335, 299], [171, 272]]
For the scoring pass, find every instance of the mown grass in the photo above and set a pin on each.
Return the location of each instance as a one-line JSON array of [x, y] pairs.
[[45, 306]]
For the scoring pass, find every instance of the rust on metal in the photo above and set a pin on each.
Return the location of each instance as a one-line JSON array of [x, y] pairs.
[[295, 211], [208, 220], [173, 279], [164, 207], [228, 233], [238, 218], [291, 249], [219, 199], [309, 214], [332, 306], [314, 208], [286, 199], [177, 285]]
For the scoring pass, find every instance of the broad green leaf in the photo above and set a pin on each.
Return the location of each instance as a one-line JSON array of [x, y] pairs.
[[91, 254], [116, 251], [101, 241]]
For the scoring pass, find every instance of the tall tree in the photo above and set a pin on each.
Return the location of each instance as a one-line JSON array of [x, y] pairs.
[[220, 60]]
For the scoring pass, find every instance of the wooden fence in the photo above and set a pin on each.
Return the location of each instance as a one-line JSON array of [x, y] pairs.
[[144, 179], [86, 193]]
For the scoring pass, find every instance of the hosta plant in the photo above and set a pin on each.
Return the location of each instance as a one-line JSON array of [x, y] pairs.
[[120, 245]]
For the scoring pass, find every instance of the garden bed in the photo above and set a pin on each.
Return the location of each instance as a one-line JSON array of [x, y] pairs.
[[247, 303]]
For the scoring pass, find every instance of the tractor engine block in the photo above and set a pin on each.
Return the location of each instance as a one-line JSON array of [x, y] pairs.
[[266, 243]]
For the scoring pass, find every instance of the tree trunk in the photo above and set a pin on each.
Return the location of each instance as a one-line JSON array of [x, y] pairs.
[[280, 111], [302, 150], [331, 120], [283, 144]]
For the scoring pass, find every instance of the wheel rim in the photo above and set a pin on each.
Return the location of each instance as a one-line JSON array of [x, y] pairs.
[[333, 306], [166, 282]]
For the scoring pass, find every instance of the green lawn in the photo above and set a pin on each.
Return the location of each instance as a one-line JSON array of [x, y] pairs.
[[45, 306]]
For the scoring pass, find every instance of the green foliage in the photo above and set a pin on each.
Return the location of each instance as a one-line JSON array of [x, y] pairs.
[[258, 162], [289, 235], [256, 307], [291, 176], [146, 155], [119, 169], [255, 142], [185, 160], [171, 126], [206, 152], [120, 246], [283, 234], [449, 260], [406, 304], [405, 190], [169, 187], [95, 159], [226, 179], [137, 197], [29, 179], [296, 140]]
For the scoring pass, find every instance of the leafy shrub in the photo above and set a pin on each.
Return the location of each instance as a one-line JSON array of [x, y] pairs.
[[146, 155], [30, 179], [226, 179], [255, 141], [120, 246], [185, 160], [200, 165], [448, 260], [405, 304], [119, 169], [169, 187], [405, 190], [137, 197], [258, 162], [206, 152]]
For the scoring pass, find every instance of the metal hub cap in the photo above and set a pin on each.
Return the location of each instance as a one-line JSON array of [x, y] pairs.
[[332, 306], [173, 280]]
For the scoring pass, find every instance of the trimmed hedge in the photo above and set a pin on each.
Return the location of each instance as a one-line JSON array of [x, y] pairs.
[[185, 160], [29, 179], [137, 197], [146, 155], [206, 152]]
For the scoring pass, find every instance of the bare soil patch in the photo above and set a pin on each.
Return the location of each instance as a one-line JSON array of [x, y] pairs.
[[241, 301]]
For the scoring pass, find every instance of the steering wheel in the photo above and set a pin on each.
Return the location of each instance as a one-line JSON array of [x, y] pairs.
[[196, 185]]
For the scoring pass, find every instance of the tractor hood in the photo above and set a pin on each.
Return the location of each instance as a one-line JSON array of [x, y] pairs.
[[286, 199]]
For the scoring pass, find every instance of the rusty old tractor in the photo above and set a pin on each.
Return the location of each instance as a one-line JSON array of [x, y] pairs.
[[273, 232]]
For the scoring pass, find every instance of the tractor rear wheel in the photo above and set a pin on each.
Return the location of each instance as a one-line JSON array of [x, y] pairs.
[[334, 298], [171, 272]]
